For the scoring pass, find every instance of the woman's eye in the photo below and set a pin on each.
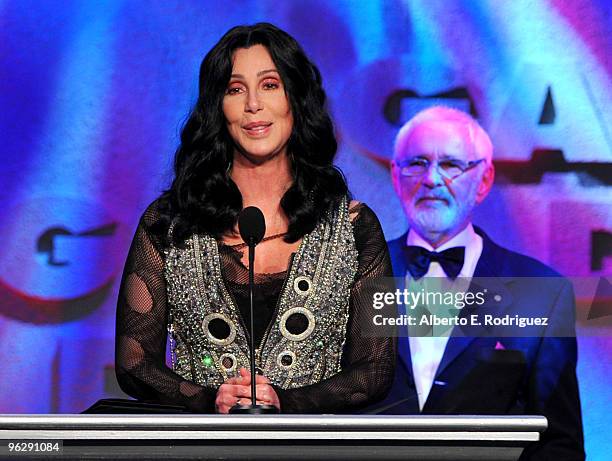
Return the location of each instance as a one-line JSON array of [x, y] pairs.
[[233, 90], [271, 85]]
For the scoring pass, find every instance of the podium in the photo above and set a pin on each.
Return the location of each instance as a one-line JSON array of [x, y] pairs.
[[294, 437]]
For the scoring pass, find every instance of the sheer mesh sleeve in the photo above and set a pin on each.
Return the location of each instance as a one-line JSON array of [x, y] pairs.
[[140, 346], [368, 362]]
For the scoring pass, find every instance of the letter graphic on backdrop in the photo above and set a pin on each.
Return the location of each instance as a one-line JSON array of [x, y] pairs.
[[60, 264]]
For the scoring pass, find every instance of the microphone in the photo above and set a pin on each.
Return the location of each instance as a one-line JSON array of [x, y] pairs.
[[252, 225], [252, 228]]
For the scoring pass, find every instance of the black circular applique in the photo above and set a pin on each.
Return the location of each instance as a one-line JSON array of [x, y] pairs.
[[227, 362], [297, 323], [286, 360], [219, 328], [302, 285]]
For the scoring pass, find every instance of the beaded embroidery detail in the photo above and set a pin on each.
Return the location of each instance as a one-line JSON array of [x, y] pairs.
[[326, 258]]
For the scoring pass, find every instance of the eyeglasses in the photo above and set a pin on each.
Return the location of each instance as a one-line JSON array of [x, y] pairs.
[[448, 168]]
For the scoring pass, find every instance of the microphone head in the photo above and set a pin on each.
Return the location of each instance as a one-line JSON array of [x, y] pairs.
[[252, 225]]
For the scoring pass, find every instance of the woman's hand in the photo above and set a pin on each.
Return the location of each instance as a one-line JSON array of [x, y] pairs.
[[266, 395], [237, 391], [230, 393]]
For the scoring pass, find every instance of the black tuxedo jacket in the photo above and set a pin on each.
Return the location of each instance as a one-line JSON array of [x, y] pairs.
[[493, 375]]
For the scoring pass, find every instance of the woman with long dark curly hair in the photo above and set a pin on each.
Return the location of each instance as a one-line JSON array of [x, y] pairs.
[[259, 135]]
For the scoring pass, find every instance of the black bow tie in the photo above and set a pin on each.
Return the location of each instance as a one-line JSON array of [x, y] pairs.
[[419, 259]]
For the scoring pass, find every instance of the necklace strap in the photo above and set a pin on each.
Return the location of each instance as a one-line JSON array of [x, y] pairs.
[[239, 246]]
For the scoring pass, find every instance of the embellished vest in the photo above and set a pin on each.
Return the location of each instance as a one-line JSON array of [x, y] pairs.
[[303, 343]]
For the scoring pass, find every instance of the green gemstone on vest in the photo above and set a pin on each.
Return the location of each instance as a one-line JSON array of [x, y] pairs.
[[207, 361]]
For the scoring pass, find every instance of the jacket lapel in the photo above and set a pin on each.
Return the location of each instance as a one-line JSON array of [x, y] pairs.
[[486, 276]]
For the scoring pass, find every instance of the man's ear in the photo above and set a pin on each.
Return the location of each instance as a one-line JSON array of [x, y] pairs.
[[485, 183]]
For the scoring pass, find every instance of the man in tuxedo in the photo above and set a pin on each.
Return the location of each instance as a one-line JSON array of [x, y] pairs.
[[442, 169]]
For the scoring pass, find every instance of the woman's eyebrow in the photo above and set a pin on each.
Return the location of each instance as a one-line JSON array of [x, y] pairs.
[[259, 74], [267, 71]]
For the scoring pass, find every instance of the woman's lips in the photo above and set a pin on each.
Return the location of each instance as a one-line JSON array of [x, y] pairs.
[[257, 130]]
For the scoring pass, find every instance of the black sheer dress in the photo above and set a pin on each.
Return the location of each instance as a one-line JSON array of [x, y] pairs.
[[142, 318]]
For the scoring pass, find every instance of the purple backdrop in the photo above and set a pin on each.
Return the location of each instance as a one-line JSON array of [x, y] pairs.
[[93, 94]]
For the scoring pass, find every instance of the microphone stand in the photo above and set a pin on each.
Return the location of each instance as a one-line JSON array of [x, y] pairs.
[[253, 408]]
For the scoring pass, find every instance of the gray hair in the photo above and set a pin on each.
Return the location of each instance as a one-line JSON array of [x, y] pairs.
[[478, 137]]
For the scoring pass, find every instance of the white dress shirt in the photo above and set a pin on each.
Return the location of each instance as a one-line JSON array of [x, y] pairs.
[[426, 352]]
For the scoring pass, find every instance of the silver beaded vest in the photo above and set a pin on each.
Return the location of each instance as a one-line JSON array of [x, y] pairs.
[[304, 341]]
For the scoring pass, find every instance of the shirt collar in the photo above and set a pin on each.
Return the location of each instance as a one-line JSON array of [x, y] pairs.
[[466, 238]]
